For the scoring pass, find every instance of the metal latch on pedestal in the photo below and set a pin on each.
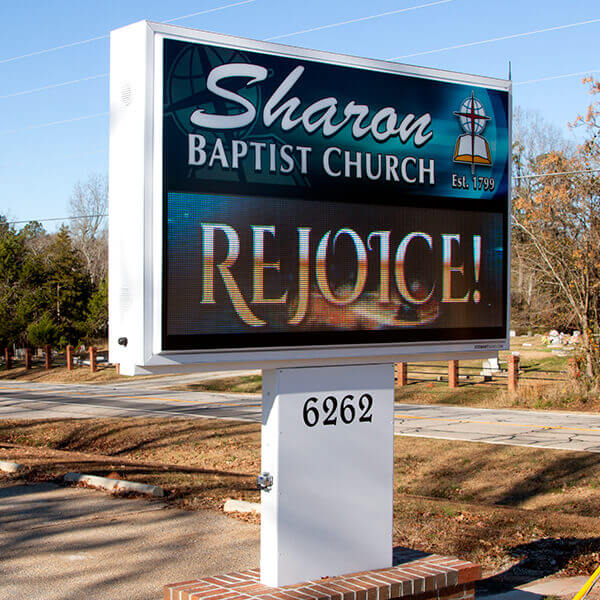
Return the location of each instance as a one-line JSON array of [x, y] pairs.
[[264, 481]]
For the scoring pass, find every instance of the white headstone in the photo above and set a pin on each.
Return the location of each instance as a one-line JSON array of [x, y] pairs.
[[490, 367]]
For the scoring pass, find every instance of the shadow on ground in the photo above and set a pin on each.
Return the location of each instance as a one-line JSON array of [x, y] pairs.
[[539, 559], [64, 543]]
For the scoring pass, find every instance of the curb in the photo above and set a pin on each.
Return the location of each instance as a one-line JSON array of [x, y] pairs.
[[11, 467], [241, 506], [115, 485]]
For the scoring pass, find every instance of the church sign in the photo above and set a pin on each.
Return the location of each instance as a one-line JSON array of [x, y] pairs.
[[276, 204]]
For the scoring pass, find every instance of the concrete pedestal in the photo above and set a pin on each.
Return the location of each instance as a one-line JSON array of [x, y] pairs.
[[328, 443]]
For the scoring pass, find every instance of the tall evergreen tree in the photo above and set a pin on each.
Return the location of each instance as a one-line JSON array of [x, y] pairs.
[[68, 287], [97, 318], [12, 259]]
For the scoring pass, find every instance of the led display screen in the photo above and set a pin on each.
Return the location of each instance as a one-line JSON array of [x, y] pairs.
[[309, 203]]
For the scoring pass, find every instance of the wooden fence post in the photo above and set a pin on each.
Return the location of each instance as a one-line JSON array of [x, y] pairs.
[[69, 357], [513, 372], [7, 358], [48, 353], [93, 363], [574, 370], [28, 358], [402, 373], [453, 373]]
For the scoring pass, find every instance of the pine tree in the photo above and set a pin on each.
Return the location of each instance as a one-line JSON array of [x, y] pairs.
[[68, 287], [12, 258], [97, 318]]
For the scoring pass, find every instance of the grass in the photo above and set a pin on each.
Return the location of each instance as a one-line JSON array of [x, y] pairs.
[[508, 508], [60, 374], [198, 462], [247, 384], [106, 373], [546, 365], [472, 392], [567, 396]]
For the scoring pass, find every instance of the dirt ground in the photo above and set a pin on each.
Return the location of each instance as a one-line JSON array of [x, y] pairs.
[[519, 511], [249, 384], [60, 374]]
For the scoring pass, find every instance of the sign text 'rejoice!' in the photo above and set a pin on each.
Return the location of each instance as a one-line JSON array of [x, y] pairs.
[[309, 200]]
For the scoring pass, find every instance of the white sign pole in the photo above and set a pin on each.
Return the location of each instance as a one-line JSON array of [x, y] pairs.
[[329, 510]]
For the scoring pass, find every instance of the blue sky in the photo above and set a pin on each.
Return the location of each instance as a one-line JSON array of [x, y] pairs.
[[40, 165]]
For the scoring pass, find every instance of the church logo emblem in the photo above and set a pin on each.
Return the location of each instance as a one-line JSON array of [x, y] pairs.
[[471, 147]]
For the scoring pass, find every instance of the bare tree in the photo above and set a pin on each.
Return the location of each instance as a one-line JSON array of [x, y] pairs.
[[533, 135], [560, 223], [532, 302], [88, 204]]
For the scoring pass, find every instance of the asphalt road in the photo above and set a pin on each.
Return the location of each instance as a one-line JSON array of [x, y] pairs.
[[61, 543], [543, 429], [147, 398]]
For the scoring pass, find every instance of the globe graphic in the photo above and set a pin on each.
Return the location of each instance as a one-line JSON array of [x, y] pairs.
[[186, 89], [471, 126]]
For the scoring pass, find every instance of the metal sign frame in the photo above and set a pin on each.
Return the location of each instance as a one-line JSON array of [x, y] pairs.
[[136, 216]]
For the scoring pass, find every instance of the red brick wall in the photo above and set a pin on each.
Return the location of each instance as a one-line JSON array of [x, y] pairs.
[[431, 577]]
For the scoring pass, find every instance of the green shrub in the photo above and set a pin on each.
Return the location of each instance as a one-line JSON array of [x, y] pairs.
[[45, 331]]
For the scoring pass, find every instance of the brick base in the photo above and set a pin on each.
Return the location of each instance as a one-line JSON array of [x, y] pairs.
[[414, 575]]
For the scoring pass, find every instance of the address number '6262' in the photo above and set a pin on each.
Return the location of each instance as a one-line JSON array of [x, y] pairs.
[[330, 410]]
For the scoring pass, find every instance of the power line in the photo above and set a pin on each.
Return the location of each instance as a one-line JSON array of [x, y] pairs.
[[47, 50], [106, 35], [329, 26], [55, 219], [276, 37], [533, 176], [210, 10], [53, 123], [54, 85], [321, 27], [497, 39], [84, 117], [555, 174], [556, 77], [357, 20], [104, 75]]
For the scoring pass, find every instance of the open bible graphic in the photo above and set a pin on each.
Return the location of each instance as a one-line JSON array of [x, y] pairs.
[[471, 147]]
